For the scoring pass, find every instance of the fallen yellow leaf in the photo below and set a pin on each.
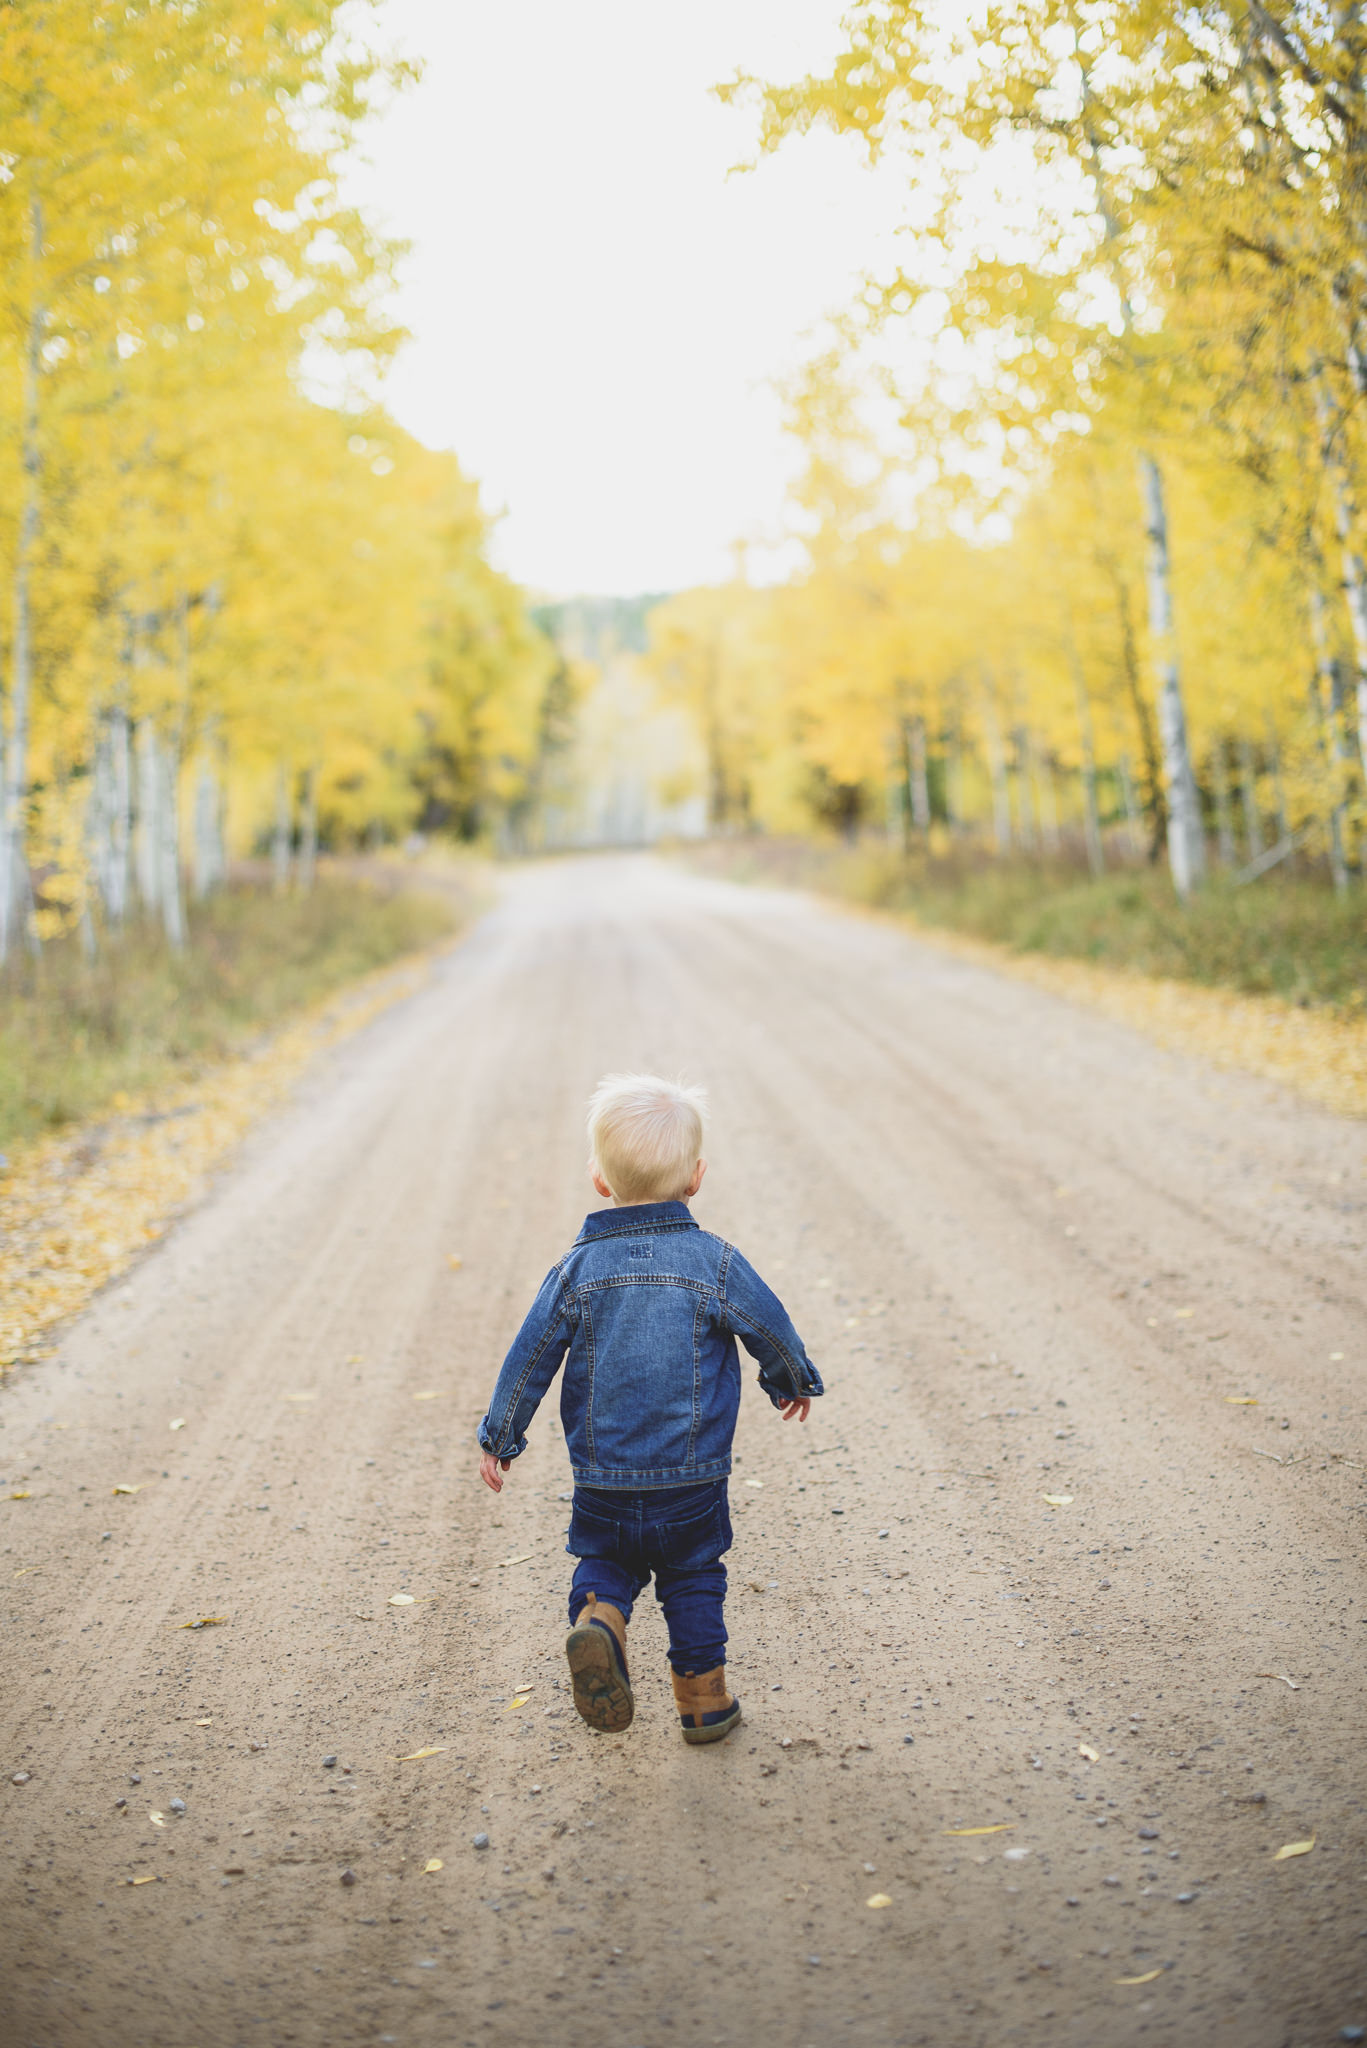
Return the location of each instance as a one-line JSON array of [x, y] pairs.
[[1057, 1500], [758, 1484], [178, 1422], [1180, 1312], [415, 1754], [158, 1820], [433, 1863], [356, 1358], [1003, 1827], [1085, 1749], [1241, 1400], [207, 1722], [1147, 1978], [142, 1880], [878, 1901], [205, 1621], [1281, 1675], [129, 1489], [1294, 1849], [454, 1261], [519, 1699], [27, 1495], [402, 1599], [524, 1557]]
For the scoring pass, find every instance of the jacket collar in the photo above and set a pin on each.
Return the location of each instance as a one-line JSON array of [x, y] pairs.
[[630, 1222]]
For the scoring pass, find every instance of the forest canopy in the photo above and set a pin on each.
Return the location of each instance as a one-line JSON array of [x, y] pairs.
[[1083, 479], [236, 599]]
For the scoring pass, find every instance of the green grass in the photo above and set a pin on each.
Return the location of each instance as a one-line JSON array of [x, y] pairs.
[[1286, 936], [74, 1034]]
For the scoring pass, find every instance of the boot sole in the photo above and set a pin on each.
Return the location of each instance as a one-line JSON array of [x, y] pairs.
[[602, 1695], [718, 1730]]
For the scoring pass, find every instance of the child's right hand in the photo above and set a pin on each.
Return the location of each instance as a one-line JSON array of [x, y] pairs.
[[797, 1410], [491, 1470]]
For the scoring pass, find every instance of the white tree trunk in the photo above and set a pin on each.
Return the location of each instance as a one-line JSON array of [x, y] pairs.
[[207, 829], [1091, 817], [996, 763], [121, 815], [14, 882], [1354, 573], [1020, 777], [918, 779], [1186, 836], [1226, 851], [955, 802], [308, 831], [282, 839], [148, 828], [1324, 690], [1047, 789], [1248, 796], [99, 815], [1134, 824], [169, 887], [1274, 764]]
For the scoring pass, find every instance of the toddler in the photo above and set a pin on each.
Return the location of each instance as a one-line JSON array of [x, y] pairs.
[[648, 1308]]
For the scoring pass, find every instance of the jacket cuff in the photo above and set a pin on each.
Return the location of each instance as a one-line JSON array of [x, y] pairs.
[[488, 1442]]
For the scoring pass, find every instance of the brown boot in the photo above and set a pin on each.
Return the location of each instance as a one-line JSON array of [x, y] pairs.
[[597, 1649], [706, 1709]]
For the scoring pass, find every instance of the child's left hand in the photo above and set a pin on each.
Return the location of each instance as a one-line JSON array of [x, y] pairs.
[[491, 1470], [797, 1410]]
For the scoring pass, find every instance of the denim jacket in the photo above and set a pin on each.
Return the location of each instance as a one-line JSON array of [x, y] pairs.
[[648, 1307]]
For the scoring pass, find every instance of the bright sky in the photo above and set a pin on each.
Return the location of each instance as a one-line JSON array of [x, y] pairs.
[[597, 310]]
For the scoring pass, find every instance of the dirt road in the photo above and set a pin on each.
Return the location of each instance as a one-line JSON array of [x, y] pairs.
[[1038, 1260]]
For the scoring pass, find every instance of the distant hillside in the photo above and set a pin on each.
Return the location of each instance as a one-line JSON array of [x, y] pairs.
[[592, 628]]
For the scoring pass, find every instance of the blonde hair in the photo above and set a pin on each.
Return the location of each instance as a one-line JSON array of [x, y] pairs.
[[646, 1135]]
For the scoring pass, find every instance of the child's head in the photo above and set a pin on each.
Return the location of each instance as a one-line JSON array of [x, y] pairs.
[[645, 1138]]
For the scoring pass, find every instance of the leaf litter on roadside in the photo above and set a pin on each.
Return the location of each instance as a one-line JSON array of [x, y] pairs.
[[1001, 1827], [205, 1621], [1294, 1849], [416, 1755], [402, 1599], [1147, 1977], [432, 1863]]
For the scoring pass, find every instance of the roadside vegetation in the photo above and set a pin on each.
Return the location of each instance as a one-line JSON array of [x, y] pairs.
[[81, 1035], [1285, 936]]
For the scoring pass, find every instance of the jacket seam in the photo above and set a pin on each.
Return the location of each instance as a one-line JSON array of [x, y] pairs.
[[583, 1287]]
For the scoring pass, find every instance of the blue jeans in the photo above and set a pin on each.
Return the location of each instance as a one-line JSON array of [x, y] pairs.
[[676, 1533]]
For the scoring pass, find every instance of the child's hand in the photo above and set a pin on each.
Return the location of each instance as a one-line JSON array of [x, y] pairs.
[[797, 1410], [491, 1470]]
